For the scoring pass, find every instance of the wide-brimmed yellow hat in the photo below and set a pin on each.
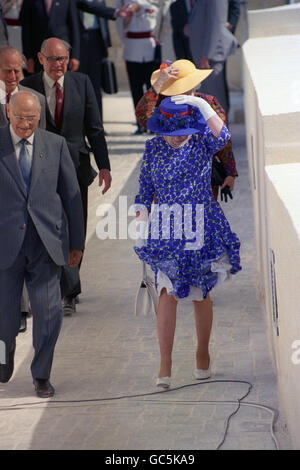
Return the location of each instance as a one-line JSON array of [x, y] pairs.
[[188, 78]]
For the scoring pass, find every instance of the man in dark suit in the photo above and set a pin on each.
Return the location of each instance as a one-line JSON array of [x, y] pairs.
[[95, 39], [42, 19], [41, 229], [179, 11], [72, 112]]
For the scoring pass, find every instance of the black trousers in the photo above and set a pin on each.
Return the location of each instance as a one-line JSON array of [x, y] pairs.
[[91, 55], [139, 74], [70, 284]]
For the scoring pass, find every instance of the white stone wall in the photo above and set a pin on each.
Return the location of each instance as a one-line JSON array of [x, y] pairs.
[[271, 77]]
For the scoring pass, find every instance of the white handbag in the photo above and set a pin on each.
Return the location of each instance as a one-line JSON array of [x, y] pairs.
[[146, 300]]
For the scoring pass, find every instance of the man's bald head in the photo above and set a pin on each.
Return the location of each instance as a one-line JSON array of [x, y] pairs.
[[54, 57], [24, 112]]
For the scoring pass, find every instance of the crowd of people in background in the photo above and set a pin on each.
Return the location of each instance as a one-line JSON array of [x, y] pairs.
[[202, 31]]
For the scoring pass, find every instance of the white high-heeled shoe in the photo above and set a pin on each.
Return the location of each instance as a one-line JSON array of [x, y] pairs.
[[201, 374], [163, 382]]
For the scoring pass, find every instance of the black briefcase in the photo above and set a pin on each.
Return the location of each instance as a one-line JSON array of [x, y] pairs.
[[108, 77]]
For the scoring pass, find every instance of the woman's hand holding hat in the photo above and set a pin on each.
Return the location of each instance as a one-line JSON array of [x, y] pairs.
[[213, 120], [203, 106], [164, 75]]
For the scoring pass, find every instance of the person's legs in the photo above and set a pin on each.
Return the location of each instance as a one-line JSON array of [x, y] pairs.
[[91, 60], [70, 283], [166, 323], [215, 85], [42, 277], [203, 321], [43, 284], [11, 284]]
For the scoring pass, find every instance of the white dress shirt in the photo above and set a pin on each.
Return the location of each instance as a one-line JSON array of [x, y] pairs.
[[50, 91], [17, 145]]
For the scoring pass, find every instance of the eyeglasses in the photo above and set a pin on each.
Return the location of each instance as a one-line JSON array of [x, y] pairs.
[[26, 118], [53, 59]]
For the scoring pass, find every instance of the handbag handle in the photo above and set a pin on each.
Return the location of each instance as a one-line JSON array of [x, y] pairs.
[[144, 270]]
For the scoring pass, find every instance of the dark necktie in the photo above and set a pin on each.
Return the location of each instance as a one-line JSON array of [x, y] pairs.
[[59, 105], [25, 162], [7, 101]]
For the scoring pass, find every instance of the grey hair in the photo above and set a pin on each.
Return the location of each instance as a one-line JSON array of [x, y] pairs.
[[12, 50], [65, 43], [25, 92]]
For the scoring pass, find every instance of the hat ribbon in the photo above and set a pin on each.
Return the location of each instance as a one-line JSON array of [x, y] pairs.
[[169, 115]]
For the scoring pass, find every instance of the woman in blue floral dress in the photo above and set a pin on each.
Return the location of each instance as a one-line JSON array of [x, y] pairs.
[[189, 246]]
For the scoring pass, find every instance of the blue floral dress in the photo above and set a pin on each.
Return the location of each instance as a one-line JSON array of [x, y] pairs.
[[189, 246]]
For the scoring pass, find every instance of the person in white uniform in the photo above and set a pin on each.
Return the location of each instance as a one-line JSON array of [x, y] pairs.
[[140, 51]]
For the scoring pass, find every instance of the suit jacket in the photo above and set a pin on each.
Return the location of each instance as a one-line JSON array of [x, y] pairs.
[[179, 18], [53, 201], [208, 34], [81, 119], [234, 13], [103, 13], [37, 25], [3, 30], [42, 100]]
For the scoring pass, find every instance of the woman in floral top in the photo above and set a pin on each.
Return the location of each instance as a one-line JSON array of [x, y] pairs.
[[190, 246], [160, 80]]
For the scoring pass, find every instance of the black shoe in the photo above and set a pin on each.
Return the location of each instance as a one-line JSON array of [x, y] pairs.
[[43, 388], [6, 370], [69, 306], [23, 324]]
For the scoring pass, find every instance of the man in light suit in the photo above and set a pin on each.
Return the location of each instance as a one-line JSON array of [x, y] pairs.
[[42, 19], [11, 63], [79, 118], [41, 229], [211, 43]]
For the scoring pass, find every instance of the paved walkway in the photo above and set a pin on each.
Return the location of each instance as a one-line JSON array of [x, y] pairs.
[[107, 359]]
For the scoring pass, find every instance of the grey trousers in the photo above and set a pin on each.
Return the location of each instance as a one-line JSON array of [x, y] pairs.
[[42, 278], [216, 85]]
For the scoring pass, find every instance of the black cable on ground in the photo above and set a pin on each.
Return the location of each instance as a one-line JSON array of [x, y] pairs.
[[239, 402]]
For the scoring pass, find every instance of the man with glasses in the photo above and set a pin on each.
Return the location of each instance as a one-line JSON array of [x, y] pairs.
[[42, 19], [11, 64], [41, 229], [73, 112]]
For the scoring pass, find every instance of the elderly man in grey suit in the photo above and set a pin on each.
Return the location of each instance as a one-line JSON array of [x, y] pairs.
[[41, 229], [211, 43], [11, 63]]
